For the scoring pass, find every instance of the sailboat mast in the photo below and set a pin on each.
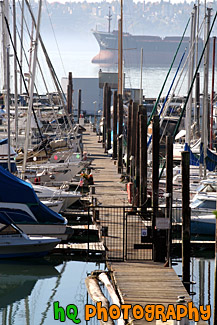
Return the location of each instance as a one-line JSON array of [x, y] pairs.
[[15, 75], [5, 41], [30, 55], [109, 20], [205, 90], [28, 123], [190, 77], [8, 106], [21, 44], [196, 59], [120, 52], [53, 73], [141, 92]]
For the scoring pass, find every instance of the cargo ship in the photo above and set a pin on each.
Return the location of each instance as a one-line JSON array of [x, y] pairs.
[[156, 50]]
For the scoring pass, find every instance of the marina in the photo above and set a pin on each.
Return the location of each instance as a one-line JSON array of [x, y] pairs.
[[108, 189]]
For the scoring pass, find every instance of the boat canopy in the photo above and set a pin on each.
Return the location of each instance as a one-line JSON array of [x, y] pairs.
[[16, 190], [3, 141]]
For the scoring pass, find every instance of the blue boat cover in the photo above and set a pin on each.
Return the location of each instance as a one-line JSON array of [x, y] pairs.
[[4, 141], [211, 158], [194, 159], [15, 190]]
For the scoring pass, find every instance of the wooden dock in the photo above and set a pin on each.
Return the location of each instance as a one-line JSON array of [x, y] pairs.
[[138, 282]]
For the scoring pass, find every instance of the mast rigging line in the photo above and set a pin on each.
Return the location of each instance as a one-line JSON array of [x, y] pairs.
[[183, 68], [53, 73], [157, 101], [21, 72], [166, 98], [47, 57], [55, 37], [174, 89], [192, 83]]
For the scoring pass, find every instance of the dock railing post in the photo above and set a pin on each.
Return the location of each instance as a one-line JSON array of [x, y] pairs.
[[186, 221], [155, 181], [169, 192]]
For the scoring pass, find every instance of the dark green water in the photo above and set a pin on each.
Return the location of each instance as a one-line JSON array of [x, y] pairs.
[[28, 291]]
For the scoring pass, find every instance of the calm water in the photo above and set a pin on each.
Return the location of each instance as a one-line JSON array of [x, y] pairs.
[[202, 275], [27, 291], [75, 56]]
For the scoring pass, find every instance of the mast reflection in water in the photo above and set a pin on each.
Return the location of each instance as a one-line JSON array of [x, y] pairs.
[[28, 290]]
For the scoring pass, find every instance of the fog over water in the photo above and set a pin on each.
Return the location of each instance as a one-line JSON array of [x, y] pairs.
[[72, 54]]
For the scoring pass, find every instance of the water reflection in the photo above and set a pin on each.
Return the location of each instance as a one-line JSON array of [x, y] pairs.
[[17, 280], [202, 278], [29, 289]]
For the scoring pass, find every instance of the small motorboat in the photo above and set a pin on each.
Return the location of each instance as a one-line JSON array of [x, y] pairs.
[[15, 243], [204, 225]]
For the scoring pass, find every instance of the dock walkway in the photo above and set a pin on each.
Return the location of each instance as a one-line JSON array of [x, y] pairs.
[[141, 282]]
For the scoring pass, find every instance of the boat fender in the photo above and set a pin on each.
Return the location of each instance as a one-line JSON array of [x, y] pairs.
[[52, 176], [37, 181], [84, 156], [130, 192]]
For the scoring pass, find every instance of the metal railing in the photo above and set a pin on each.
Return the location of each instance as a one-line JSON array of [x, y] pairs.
[[125, 232]]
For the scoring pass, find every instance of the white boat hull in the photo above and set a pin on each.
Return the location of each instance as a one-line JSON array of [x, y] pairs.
[[50, 230], [58, 231], [21, 247]]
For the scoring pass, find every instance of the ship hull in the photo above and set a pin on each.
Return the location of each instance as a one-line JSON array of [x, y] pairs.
[[156, 50]]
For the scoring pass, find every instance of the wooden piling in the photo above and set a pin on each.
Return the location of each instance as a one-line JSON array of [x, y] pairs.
[[186, 221], [155, 179], [114, 125], [133, 138], [97, 295], [129, 136], [143, 158], [108, 119], [120, 134], [105, 92], [79, 103], [137, 156], [69, 94], [133, 129], [169, 191]]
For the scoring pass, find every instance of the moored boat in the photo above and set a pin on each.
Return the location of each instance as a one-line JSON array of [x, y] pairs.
[[19, 200], [15, 243]]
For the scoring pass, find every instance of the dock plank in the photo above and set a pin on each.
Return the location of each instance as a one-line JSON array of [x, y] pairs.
[[142, 282]]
